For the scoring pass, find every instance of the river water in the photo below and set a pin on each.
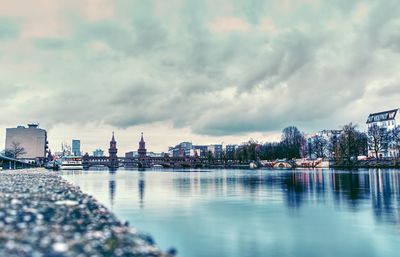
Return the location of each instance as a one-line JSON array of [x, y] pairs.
[[247, 213]]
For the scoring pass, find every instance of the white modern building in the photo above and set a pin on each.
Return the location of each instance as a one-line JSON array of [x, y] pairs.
[[32, 138], [153, 154], [328, 135], [98, 153], [215, 150], [389, 120]]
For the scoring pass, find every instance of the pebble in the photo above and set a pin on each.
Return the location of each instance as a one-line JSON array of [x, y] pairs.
[[43, 215], [67, 202], [60, 247]]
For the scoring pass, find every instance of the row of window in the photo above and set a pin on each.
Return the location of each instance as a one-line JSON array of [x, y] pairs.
[[384, 123]]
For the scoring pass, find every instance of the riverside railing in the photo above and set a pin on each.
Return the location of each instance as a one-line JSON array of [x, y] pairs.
[[7, 163]]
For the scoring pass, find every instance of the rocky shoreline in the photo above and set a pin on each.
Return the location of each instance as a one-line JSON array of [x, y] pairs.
[[43, 215]]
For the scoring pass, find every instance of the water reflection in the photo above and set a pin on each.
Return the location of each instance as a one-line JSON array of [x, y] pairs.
[[380, 188], [111, 189], [141, 188], [257, 213]]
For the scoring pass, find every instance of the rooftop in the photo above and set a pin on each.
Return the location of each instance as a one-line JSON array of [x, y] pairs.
[[382, 116]]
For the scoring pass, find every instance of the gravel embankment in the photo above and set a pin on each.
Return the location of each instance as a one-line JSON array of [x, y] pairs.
[[42, 215]]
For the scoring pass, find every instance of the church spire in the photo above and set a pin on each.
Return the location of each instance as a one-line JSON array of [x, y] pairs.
[[113, 138]]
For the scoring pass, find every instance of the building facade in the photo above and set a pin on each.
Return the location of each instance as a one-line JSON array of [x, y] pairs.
[[187, 149], [230, 151], [131, 154], [324, 140], [98, 153], [181, 150], [32, 138], [387, 120], [216, 150], [76, 147], [201, 149]]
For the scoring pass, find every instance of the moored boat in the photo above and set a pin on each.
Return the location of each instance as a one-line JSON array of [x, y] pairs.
[[52, 165], [71, 163], [253, 165]]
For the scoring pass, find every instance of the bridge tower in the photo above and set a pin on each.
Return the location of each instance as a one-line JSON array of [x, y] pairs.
[[112, 151], [142, 152]]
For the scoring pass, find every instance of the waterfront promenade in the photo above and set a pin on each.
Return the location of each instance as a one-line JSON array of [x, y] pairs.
[[43, 215]]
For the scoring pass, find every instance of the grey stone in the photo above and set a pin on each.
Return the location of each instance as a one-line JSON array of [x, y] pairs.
[[42, 215]]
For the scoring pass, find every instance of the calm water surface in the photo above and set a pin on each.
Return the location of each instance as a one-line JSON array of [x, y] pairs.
[[302, 213]]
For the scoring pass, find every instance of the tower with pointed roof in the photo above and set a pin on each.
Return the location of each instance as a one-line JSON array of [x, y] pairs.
[[142, 152], [113, 158]]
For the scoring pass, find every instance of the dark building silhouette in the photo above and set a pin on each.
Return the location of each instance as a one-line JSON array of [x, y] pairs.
[[112, 151], [143, 161], [142, 152], [112, 161]]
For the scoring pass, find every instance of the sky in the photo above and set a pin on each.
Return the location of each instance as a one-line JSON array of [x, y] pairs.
[[207, 71]]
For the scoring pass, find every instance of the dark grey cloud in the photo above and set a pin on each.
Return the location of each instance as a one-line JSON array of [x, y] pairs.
[[219, 68]]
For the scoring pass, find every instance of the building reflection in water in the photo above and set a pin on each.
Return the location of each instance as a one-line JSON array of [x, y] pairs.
[[347, 189], [141, 186], [112, 185]]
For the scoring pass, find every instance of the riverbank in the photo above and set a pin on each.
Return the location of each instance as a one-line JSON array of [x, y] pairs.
[[43, 215]]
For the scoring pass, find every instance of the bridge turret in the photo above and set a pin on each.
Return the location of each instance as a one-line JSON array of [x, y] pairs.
[[113, 158], [142, 152]]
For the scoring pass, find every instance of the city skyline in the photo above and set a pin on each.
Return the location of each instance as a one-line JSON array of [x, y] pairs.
[[208, 72], [127, 146]]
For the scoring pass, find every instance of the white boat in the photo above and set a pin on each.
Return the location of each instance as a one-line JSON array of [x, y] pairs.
[[253, 165], [71, 163]]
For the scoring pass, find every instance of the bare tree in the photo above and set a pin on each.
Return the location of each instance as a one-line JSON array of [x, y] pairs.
[[15, 150], [377, 139], [292, 140], [350, 144], [332, 145], [319, 146], [395, 138]]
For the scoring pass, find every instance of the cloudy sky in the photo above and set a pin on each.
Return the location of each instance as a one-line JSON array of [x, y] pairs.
[[205, 71]]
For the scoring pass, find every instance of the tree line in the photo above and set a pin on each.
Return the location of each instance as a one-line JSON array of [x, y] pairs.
[[345, 146], [381, 139]]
